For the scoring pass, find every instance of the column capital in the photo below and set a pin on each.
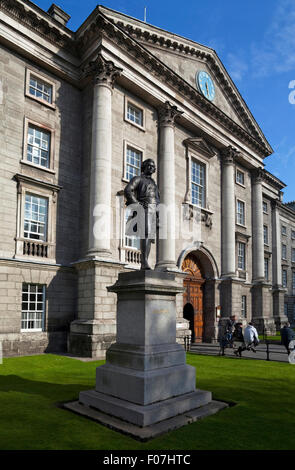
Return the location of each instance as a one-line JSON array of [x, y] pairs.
[[229, 154], [102, 71], [167, 114], [257, 175]]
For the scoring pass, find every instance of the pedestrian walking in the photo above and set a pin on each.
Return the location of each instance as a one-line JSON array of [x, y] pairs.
[[287, 335], [238, 339], [251, 337]]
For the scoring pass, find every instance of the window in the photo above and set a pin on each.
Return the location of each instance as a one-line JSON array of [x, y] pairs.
[[294, 312], [38, 146], [284, 251], [284, 230], [284, 277], [240, 177], [198, 183], [265, 234], [33, 307], [240, 212], [293, 255], [264, 207], [241, 255], [40, 88], [134, 114], [293, 282], [130, 240], [244, 306], [35, 220], [133, 159], [266, 269], [293, 234]]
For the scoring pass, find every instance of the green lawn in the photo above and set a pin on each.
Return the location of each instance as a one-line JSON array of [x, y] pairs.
[[31, 387]]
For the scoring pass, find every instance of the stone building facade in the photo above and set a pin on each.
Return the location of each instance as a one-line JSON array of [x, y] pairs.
[[80, 111]]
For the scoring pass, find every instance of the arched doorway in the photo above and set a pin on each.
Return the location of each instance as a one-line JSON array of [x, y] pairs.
[[193, 297]]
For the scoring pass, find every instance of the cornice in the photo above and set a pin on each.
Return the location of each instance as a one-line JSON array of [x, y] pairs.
[[21, 178], [271, 179], [36, 23]]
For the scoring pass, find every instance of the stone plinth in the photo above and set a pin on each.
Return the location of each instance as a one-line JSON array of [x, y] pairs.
[[145, 379]]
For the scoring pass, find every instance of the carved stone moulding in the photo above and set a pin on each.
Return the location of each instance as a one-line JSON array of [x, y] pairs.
[[229, 155], [102, 71], [167, 114]]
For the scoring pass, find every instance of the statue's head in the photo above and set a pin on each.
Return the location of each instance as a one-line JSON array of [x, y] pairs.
[[148, 167]]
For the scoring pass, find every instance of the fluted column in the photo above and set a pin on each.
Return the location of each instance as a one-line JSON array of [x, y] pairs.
[[166, 182], [257, 223], [228, 212], [104, 73]]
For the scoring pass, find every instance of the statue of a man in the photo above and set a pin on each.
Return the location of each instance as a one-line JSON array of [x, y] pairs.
[[144, 191]]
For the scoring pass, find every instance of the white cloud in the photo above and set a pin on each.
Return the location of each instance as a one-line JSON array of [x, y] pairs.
[[236, 66], [276, 52]]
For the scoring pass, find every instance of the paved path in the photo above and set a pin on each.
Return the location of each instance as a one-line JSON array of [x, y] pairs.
[[277, 352]]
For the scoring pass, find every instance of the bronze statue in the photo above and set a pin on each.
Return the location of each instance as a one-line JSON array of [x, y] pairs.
[[144, 191]]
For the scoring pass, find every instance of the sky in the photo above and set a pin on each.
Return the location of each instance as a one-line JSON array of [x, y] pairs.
[[254, 39]]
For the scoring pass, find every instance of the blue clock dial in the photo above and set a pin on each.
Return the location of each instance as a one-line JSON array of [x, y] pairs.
[[205, 85]]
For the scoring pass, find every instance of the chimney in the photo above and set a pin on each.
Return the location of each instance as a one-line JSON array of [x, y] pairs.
[[58, 14]]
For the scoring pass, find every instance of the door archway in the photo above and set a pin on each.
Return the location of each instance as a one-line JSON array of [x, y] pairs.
[[193, 296]]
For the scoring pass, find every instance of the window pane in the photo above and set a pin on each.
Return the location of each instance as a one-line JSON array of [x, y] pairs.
[[133, 163], [38, 148], [35, 221], [32, 312], [40, 89], [134, 114], [198, 183]]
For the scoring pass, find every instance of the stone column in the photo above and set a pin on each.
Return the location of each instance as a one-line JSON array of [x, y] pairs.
[[257, 221], [278, 291], [228, 213], [276, 245], [166, 182], [104, 73]]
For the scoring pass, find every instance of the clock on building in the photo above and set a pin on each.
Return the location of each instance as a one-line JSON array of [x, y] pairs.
[[205, 84]]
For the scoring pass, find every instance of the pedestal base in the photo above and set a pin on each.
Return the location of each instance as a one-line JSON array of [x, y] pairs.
[[144, 415], [148, 432]]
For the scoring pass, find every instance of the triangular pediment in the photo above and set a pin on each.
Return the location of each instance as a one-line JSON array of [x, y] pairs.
[[187, 58], [199, 145]]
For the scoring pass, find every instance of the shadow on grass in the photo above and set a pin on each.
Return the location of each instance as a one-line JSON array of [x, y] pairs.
[[14, 383]]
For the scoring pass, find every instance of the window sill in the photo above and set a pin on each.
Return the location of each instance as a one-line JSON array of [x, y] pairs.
[[39, 167], [138, 126], [32, 330], [241, 225], [240, 184], [38, 100]]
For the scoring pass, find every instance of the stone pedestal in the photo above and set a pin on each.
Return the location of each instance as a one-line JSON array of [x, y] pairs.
[[145, 379], [280, 318], [262, 309]]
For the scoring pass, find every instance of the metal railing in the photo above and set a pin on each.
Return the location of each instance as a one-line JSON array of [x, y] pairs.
[[187, 342]]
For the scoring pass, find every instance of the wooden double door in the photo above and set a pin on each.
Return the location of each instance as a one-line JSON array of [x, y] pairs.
[[193, 297]]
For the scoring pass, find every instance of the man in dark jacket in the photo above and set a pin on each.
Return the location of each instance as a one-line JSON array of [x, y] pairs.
[[287, 335]]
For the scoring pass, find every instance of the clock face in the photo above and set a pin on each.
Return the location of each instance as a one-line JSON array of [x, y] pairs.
[[205, 85]]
